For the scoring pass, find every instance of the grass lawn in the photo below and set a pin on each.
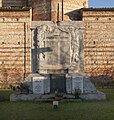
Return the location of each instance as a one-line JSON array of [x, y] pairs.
[[86, 110]]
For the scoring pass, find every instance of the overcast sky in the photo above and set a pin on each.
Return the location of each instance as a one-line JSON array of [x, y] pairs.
[[101, 3]]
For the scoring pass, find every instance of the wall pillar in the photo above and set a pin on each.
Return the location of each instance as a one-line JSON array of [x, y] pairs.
[[0, 3]]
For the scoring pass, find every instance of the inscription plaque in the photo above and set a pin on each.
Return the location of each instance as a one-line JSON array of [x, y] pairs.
[[54, 57], [38, 85], [56, 40]]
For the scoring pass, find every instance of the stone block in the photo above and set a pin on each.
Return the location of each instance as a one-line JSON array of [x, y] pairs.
[[42, 83], [38, 85], [77, 84], [68, 84], [24, 97], [93, 96], [88, 86]]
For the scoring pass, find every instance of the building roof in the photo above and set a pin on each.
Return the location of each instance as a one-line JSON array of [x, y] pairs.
[[98, 9]]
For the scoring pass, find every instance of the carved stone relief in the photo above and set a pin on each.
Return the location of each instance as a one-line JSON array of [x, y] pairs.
[[60, 48]]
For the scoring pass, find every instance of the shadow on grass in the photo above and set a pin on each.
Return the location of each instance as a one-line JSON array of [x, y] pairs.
[[6, 94]]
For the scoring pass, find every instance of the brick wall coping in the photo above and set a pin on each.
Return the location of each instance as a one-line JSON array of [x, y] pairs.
[[15, 9], [98, 9]]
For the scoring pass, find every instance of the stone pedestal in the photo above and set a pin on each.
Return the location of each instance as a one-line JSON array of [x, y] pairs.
[[41, 89], [77, 83], [38, 85]]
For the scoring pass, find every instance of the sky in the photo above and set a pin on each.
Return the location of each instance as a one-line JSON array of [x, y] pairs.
[[101, 3]]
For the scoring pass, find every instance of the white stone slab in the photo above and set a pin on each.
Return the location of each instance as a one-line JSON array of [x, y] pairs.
[[47, 85], [68, 84], [38, 85], [77, 83]]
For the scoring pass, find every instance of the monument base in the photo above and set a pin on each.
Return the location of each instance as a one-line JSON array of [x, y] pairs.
[[40, 86], [35, 97], [93, 96]]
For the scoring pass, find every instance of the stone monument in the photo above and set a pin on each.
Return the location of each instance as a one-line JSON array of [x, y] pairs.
[[58, 62], [60, 53]]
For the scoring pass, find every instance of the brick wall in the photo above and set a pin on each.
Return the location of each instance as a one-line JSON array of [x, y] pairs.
[[98, 41], [46, 10], [41, 9], [69, 7], [14, 46]]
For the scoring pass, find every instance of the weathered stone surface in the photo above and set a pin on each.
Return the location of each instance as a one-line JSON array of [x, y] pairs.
[[45, 82], [38, 85], [88, 86], [50, 97], [69, 96], [47, 85], [89, 91], [93, 96], [15, 97], [51, 37], [36, 97], [32, 97], [68, 84], [77, 83]]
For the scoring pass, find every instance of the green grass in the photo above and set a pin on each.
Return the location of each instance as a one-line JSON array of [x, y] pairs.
[[86, 110]]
